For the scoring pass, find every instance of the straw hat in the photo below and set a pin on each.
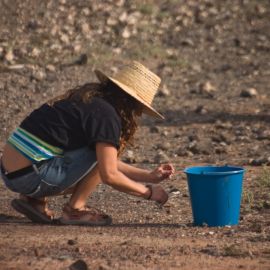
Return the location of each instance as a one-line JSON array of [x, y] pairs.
[[139, 82]]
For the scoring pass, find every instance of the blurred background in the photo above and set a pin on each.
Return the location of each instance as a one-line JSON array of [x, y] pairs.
[[213, 58]]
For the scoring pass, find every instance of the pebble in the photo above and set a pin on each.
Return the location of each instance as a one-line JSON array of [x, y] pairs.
[[249, 93], [259, 161], [9, 57], [207, 88], [78, 265], [164, 146], [64, 38], [38, 75], [85, 29], [130, 158], [154, 129], [161, 157], [111, 21], [123, 17], [181, 152], [201, 147], [35, 52], [201, 110], [1, 52], [126, 33], [50, 68], [164, 91], [165, 133], [72, 242]]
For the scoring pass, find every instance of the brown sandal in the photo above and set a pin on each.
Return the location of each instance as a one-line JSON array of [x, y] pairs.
[[28, 207], [84, 216]]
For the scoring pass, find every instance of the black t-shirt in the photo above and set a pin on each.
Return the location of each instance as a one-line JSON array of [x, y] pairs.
[[71, 125]]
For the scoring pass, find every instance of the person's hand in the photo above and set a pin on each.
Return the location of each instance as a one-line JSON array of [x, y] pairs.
[[162, 172], [158, 195]]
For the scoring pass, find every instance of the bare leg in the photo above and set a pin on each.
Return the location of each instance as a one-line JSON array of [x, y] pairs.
[[84, 188], [76, 212]]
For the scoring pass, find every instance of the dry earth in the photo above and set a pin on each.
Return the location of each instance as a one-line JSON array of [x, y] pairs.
[[214, 60]]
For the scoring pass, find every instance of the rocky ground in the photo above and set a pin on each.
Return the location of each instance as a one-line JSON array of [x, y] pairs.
[[214, 61]]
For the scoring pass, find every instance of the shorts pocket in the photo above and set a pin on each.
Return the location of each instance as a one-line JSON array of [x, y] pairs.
[[54, 172]]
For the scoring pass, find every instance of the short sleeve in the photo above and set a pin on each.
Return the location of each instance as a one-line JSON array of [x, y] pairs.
[[104, 129]]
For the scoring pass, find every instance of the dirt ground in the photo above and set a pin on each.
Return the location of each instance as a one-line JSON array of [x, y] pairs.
[[214, 61]]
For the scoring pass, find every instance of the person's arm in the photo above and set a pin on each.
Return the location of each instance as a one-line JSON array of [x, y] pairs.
[[159, 174], [112, 176]]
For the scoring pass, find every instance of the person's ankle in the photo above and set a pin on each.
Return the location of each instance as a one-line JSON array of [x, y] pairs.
[[76, 205]]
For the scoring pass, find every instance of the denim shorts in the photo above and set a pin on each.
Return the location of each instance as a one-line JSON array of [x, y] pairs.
[[55, 175]]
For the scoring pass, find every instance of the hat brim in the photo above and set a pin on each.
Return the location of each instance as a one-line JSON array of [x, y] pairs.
[[147, 109]]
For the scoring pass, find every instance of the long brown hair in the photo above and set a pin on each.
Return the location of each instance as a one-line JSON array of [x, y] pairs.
[[126, 106]]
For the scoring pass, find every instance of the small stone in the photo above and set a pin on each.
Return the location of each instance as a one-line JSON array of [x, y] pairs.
[[196, 67], [258, 161], [207, 88], [164, 146], [126, 33], [263, 135], [9, 57], [64, 38], [77, 48], [85, 29], [154, 129], [130, 158], [120, 3], [111, 21], [50, 68], [133, 18], [117, 50], [1, 52], [79, 249], [221, 138], [249, 93], [38, 75], [175, 191], [123, 17], [164, 133], [181, 152], [37, 252], [104, 267], [202, 147], [16, 67], [161, 157], [35, 52], [187, 42], [79, 265], [72, 242], [164, 92], [201, 110], [86, 11], [82, 60]]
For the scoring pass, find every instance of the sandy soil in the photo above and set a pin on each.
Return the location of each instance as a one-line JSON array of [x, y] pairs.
[[214, 60]]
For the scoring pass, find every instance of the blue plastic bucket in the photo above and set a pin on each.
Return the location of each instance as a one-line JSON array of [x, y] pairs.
[[215, 194]]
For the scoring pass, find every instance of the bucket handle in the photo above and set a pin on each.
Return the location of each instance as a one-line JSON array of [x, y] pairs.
[[221, 173]]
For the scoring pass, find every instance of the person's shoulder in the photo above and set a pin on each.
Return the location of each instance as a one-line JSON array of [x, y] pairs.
[[103, 107]]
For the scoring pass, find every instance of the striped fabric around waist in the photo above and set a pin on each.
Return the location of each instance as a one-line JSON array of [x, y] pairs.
[[32, 147]]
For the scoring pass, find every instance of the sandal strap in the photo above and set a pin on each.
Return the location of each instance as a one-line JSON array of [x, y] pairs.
[[42, 203], [83, 211]]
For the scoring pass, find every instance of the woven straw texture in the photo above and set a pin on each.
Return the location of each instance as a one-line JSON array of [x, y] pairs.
[[139, 82]]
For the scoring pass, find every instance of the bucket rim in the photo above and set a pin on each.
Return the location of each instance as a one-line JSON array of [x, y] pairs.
[[236, 170]]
